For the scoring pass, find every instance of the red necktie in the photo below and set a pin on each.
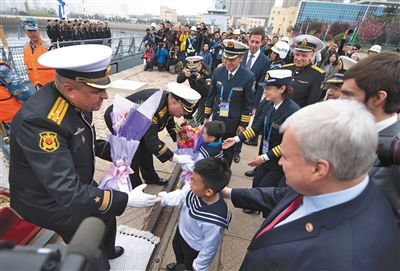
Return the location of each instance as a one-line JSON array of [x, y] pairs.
[[292, 207]]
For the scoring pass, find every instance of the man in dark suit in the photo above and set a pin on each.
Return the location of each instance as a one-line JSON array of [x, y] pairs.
[[258, 64], [231, 94], [331, 216], [380, 92]]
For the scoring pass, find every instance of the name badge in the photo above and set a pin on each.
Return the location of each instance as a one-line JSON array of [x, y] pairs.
[[265, 146], [224, 109]]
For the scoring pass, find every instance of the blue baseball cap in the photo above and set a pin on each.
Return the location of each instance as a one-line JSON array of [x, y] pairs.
[[29, 24]]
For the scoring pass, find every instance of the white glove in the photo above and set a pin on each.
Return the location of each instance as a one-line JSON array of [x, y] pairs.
[[138, 199], [182, 159]]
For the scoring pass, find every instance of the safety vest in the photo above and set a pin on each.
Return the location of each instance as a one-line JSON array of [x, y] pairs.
[[9, 105], [38, 74]]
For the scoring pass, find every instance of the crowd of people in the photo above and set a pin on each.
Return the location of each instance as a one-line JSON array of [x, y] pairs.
[[325, 173], [67, 30]]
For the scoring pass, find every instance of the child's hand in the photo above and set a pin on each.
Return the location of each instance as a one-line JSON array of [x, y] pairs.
[[158, 199]]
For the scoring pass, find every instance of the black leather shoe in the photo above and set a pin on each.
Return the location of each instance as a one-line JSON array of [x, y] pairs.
[[161, 181], [250, 173], [251, 142], [171, 266], [236, 157], [118, 251], [248, 211]]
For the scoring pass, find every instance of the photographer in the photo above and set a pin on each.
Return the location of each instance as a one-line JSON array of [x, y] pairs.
[[182, 47], [162, 53], [159, 36], [149, 38], [149, 56], [380, 92], [191, 43], [202, 39], [199, 76], [217, 49]]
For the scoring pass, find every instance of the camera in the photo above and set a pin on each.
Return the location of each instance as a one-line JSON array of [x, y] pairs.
[[160, 45], [350, 31], [389, 149], [193, 73]]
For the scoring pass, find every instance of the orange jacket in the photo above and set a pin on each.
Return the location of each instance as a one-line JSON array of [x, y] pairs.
[[9, 105], [37, 73]]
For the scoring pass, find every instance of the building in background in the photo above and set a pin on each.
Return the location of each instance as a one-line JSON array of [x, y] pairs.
[[247, 23], [168, 14], [280, 19], [336, 12], [248, 8]]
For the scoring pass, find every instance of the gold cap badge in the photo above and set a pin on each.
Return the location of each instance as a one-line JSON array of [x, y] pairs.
[[304, 42], [230, 44]]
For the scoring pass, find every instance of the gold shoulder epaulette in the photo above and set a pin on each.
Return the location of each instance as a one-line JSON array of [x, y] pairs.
[[58, 111], [317, 69], [162, 112], [288, 65]]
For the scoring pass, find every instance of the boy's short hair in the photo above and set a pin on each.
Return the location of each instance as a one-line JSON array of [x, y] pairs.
[[214, 172], [215, 128]]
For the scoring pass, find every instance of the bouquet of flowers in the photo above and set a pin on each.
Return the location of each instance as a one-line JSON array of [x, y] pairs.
[[130, 123], [189, 141]]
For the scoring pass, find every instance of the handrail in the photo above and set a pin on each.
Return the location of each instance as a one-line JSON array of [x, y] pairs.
[[121, 47]]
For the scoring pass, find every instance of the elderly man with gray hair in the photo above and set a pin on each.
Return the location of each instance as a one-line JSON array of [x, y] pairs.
[[331, 216]]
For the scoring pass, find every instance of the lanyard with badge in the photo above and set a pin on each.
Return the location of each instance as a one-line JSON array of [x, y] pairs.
[[266, 140], [224, 105]]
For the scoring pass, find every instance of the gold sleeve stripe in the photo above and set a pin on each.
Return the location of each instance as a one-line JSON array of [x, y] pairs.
[[249, 133], [277, 151], [57, 113], [106, 200], [207, 110], [163, 150], [162, 112], [245, 118]]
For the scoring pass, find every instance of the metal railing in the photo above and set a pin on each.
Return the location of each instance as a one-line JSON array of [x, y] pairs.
[[121, 48]]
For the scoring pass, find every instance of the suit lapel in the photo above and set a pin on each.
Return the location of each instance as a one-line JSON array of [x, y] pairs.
[[310, 226]]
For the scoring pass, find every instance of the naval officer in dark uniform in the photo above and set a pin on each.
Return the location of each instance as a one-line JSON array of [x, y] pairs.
[[231, 95], [198, 75], [307, 78], [53, 148], [179, 102]]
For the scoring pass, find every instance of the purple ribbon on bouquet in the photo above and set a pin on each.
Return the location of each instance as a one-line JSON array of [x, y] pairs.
[[120, 171]]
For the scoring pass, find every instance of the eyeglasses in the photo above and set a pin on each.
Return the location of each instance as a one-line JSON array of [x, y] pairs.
[[354, 49]]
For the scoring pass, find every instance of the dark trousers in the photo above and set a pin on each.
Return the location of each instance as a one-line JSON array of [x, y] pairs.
[[228, 153], [184, 254], [266, 177], [143, 160]]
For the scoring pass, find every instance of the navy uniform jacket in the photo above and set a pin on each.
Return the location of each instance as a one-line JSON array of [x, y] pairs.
[[161, 119], [274, 120], [357, 235], [306, 83], [202, 85], [387, 177], [259, 68], [52, 164], [242, 99]]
